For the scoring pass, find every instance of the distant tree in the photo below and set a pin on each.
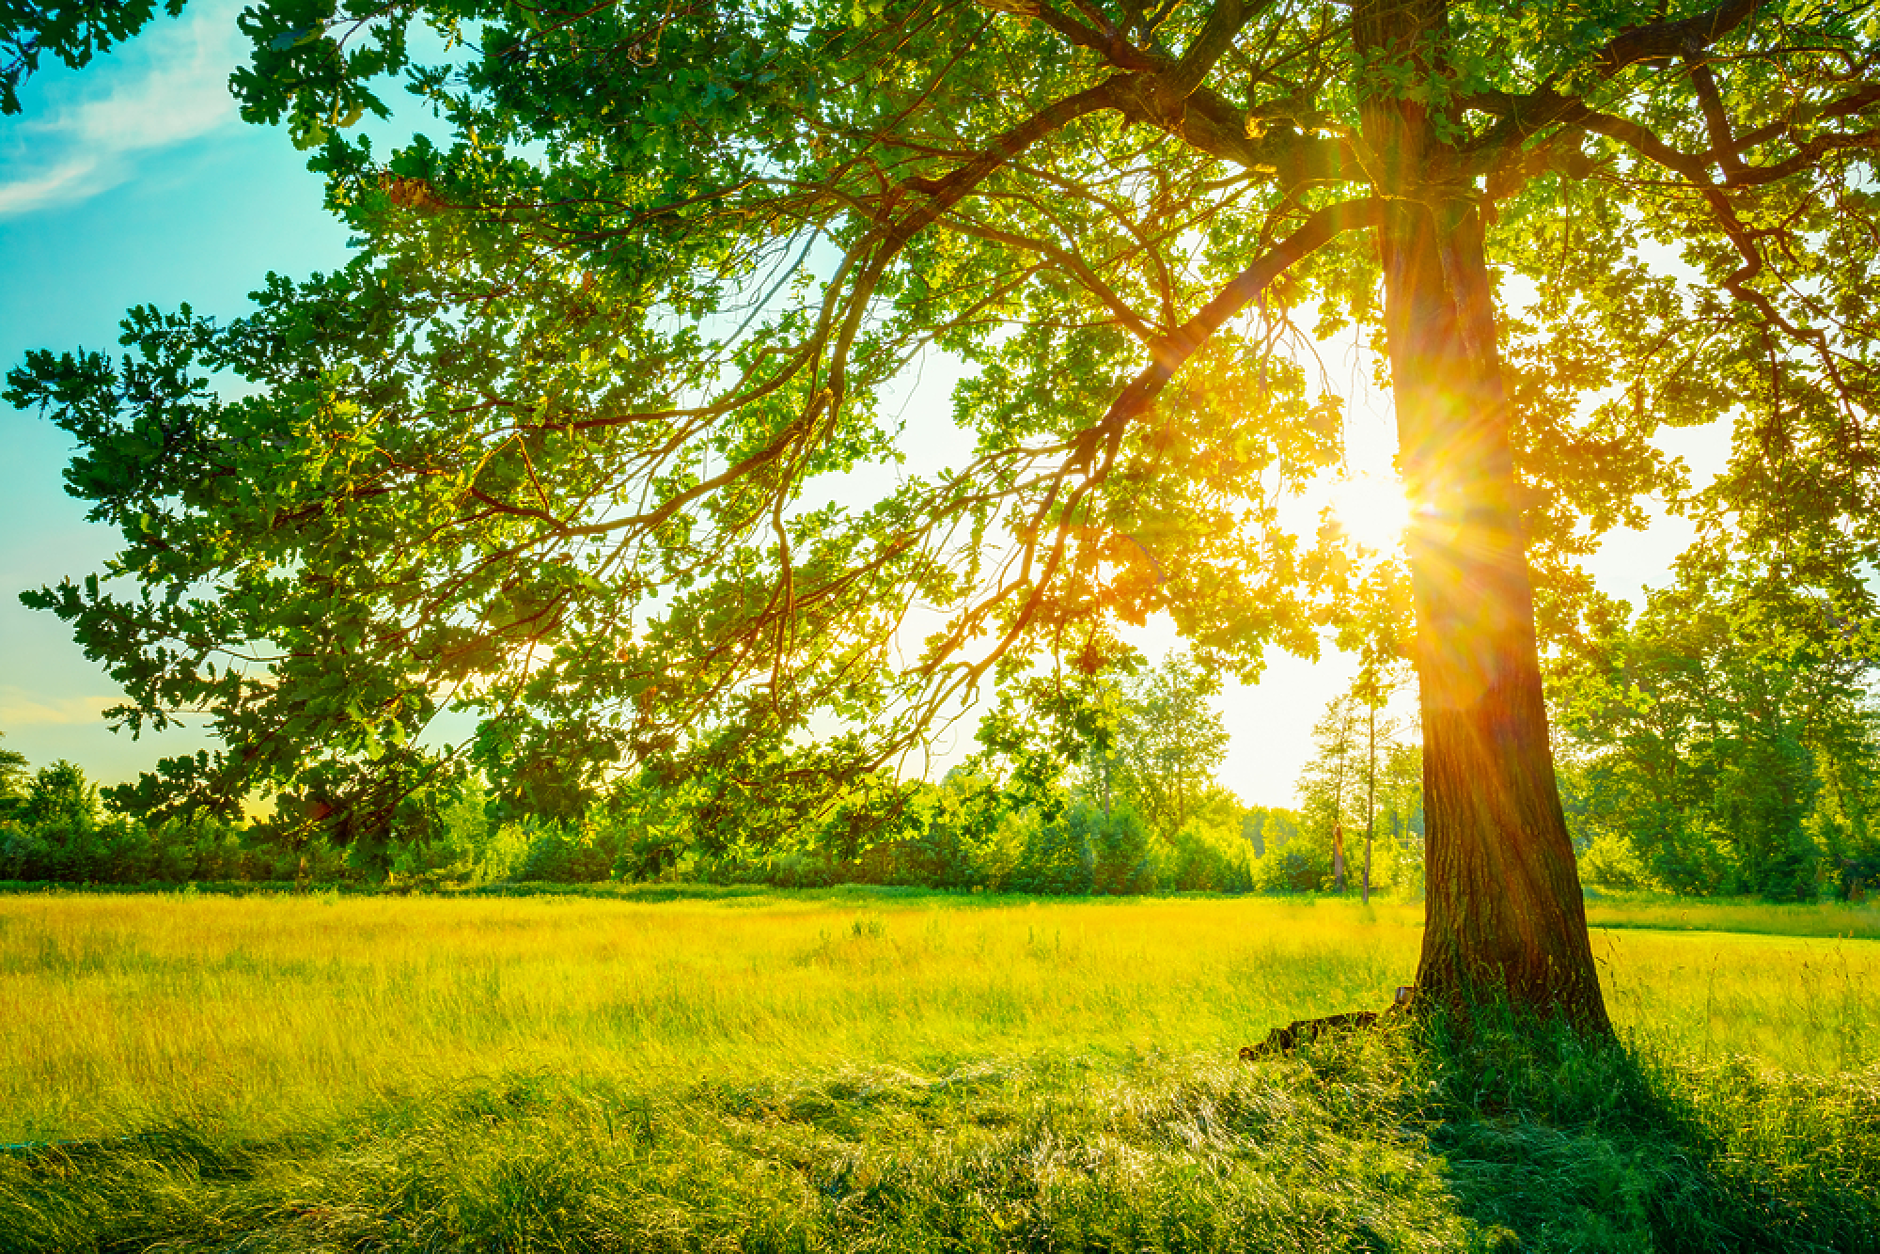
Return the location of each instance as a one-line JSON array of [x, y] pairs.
[[1376, 683], [1267, 828], [60, 796], [1364, 768], [1330, 785], [1730, 751], [1168, 744], [1400, 807], [14, 772]]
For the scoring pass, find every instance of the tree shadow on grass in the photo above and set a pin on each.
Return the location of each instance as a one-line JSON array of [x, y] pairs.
[[1416, 1138], [1562, 1144]]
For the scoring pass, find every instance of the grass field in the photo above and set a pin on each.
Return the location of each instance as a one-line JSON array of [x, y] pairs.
[[847, 1070]]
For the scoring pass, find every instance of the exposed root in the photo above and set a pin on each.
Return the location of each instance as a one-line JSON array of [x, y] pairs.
[[1299, 1031]]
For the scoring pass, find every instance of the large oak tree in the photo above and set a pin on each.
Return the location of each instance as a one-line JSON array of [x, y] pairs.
[[566, 443]]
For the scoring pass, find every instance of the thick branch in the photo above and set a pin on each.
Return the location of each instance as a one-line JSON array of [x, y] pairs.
[[1694, 166], [1671, 39], [1170, 352], [1107, 42], [1223, 24], [1723, 141], [1525, 115], [1206, 122]]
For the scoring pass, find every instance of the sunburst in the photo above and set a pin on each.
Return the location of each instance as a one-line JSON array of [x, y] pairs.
[[1372, 510]]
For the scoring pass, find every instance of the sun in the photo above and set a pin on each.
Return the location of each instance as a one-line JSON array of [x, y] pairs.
[[1372, 510]]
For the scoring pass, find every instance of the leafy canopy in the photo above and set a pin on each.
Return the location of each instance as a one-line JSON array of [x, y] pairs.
[[570, 444]]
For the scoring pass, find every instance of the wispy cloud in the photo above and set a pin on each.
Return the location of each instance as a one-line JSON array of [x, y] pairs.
[[170, 86], [19, 708]]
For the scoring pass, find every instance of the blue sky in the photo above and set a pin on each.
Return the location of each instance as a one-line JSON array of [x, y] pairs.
[[134, 181]]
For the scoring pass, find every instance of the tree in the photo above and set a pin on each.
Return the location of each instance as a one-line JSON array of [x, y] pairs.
[[1326, 783], [558, 445], [1400, 811], [1168, 743], [1264, 828], [1359, 768], [13, 776], [60, 796], [1730, 753]]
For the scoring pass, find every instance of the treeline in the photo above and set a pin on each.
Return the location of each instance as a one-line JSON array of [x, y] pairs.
[[1710, 748], [1701, 751], [965, 833], [1110, 790]]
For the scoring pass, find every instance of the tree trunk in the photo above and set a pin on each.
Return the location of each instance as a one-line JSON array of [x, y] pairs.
[[1505, 916], [1370, 792]]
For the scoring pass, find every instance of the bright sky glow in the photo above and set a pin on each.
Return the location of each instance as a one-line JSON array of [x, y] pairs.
[[1371, 509]]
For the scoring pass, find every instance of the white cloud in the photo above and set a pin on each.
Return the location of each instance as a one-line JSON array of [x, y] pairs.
[[168, 88], [73, 180], [19, 708]]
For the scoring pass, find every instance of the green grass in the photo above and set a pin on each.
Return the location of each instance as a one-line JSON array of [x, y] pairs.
[[1611, 909], [822, 1072]]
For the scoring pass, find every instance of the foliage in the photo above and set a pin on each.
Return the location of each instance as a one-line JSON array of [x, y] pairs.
[[1005, 821], [55, 832], [1611, 862], [1208, 856], [1264, 827], [13, 777], [558, 446], [1168, 743], [72, 31], [58, 831], [60, 796], [1731, 753]]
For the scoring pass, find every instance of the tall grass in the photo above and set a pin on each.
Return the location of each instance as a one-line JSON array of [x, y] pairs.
[[266, 1012], [1404, 1141], [261, 1010], [1654, 911], [813, 1073]]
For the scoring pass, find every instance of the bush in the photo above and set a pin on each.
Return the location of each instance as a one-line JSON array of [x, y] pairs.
[[1207, 859], [1057, 858], [1123, 854], [1293, 869], [1611, 863], [561, 855]]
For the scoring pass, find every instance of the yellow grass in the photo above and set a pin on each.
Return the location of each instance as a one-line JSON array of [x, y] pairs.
[[117, 1012]]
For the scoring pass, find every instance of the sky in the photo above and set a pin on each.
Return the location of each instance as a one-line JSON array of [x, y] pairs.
[[134, 181]]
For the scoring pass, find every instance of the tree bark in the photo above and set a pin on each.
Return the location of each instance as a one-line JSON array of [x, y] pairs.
[[1506, 919], [1370, 790]]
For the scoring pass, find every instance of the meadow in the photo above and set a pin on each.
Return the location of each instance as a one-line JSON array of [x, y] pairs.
[[848, 1070]]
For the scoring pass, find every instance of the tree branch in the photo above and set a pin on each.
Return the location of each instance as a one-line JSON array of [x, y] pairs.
[[1216, 37], [1723, 142], [1107, 42], [1524, 115], [1660, 40], [1172, 350]]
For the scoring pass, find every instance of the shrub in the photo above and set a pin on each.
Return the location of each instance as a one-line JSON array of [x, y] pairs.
[[1610, 862], [1123, 854], [1207, 858]]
